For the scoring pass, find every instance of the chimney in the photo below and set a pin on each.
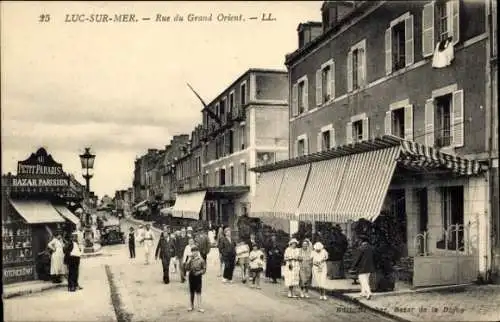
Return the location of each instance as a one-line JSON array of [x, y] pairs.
[[308, 31]]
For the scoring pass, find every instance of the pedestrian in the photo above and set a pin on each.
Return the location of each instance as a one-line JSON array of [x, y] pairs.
[[56, 247], [305, 273], [196, 267], [319, 270], [189, 232], [81, 237], [165, 251], [181, 242], [203, 243], [73, 254], [274, 260], [242, 260], [131, 242], [187, 251], [173, 260], [340, 248], [228, 250], [364, 265], [256, 258], [220, 237], [148, 240], [292, 267]]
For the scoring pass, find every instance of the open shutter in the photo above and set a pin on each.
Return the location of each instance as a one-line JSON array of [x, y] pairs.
[[348, 133], [362, 67], [319, 90], [349, 71], [429, 122], [332, 80], [388, 122], [409, 122], [295, 148], [409, 48], [295, 99], [388, 51], [428, 29], [366, 129], [458, 118], [319, 142], [306, 95], [332, 138], [455, 21]]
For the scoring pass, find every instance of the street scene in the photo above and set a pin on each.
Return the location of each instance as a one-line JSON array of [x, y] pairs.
[[265, 160]]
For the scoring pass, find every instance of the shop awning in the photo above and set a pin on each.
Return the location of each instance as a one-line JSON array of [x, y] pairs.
[[266, 192], [37, 212], [66, 213], [188, 205], [290, 193]]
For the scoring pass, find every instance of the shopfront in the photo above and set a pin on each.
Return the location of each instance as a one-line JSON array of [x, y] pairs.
[[34, 207]]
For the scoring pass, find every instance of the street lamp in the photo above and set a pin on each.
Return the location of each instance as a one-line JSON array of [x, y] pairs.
[[87, 160]]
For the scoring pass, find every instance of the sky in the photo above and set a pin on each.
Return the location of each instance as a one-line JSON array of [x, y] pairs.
[[120, 88]]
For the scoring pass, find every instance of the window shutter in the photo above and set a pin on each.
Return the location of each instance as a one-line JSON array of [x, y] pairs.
[[306, 146], [458, 118], [295, 99], [366, 129], [349, 71], [388, 51], [348, 134], [388, 122], [429, 122], [319, 90], [362, 66], [332, 138], [306, 95], [409, 48], [428, 29], [409, 122], [455, 21], [332, 80], [319, 146], [295, 148]]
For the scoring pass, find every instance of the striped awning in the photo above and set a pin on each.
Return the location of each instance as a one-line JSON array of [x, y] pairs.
[[266, 192], [322, 188], [66, 213], [188, 205], [290, 193], [37, 211]]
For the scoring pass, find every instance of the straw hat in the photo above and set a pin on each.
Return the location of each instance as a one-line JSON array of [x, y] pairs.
[[318, 246], [293, 240]]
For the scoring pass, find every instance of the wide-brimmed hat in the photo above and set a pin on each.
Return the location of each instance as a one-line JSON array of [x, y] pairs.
[[293, 240], [306, 241], [318, 246]]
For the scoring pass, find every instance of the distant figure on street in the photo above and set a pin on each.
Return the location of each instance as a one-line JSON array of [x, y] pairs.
[[81, 237], [220, 237], [140, 234], [173, 261], [165, 251], [256, 264], [364, 265], [148, 243], [189, 232], [203, 243], [56, 247], [72, 256], [242, 254], [228, 250], [181, 242], [274, 259], [131, 242], [196, 267], [319, 270], [305, 273]]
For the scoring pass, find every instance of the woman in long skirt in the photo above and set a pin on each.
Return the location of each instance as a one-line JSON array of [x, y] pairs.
[[319, 258], [305, 274], [57, 258], [292, 267], [274, 259]]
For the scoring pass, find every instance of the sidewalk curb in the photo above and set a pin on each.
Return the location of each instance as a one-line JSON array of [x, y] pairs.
[[8, 295]]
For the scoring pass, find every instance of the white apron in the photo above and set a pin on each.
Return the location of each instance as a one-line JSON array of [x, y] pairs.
[[57, 257]]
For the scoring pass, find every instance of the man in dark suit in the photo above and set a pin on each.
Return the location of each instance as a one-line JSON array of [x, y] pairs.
[[165, 251], [228, 252], [203, 243], [72, 259], [180, 244], [364, 264]]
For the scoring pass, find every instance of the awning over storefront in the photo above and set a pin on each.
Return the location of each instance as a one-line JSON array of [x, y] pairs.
[[267, 191], [188, 205], [37, 212], [290, 192], [66, 213]]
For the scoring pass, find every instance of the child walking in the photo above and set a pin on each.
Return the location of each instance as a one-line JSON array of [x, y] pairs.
[[196, 267], [242, 253], [256, 258]]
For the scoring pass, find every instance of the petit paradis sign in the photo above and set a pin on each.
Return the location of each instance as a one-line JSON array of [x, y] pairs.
[[39, 170]]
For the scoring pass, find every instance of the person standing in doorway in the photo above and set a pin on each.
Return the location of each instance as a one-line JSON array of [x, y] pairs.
[[148, 243], [56, 247], [73, 255], [364, 264], [165, 251], [229, 256], [131, 242]]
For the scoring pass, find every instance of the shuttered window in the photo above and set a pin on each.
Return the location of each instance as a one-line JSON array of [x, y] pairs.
[[325, 83], [356, 66], [428, 29], [399, 46]]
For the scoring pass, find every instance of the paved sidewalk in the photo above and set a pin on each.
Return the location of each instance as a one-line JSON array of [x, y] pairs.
[[25, 288]]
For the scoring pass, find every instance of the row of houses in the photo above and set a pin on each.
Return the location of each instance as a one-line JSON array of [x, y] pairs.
[[385, 107]]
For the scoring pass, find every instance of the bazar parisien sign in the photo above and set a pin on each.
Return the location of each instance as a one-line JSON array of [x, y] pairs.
[[39, 182]]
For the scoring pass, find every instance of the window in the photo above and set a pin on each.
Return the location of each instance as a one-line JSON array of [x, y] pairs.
[[231, 175], [231, 104], [325, 83], [356, 66], [205, 179], [452, 217], [243, 94], [447, 16], [231, 142], [443, 121], [398, 122], [222, 109], [300, 96], [399, 48], [325, 142], [217, 109], [326, 138], [222, 178], [244, 173], [301, 146], [357, 131], [243, 137]]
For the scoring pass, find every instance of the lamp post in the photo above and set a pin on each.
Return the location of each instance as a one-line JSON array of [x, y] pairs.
[[87, 160]]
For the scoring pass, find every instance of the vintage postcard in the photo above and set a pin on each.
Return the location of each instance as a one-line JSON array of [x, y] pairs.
[[250, 161]]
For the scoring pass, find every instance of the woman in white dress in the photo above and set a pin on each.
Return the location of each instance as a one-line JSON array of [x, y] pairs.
[[56, 247], [319, 258], [292, 267]]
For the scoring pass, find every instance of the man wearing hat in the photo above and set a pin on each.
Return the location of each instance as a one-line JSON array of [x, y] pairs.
[[148, 243], [180, 244], [364, 265], [203, 243], [189, 232], [165, 251], [72, 259]]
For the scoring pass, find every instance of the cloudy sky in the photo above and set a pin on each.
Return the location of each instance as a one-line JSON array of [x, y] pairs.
[[120, 88]]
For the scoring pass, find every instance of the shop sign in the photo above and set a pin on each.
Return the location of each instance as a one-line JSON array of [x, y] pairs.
[[40, 164], [22, 273], [39, 182]]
